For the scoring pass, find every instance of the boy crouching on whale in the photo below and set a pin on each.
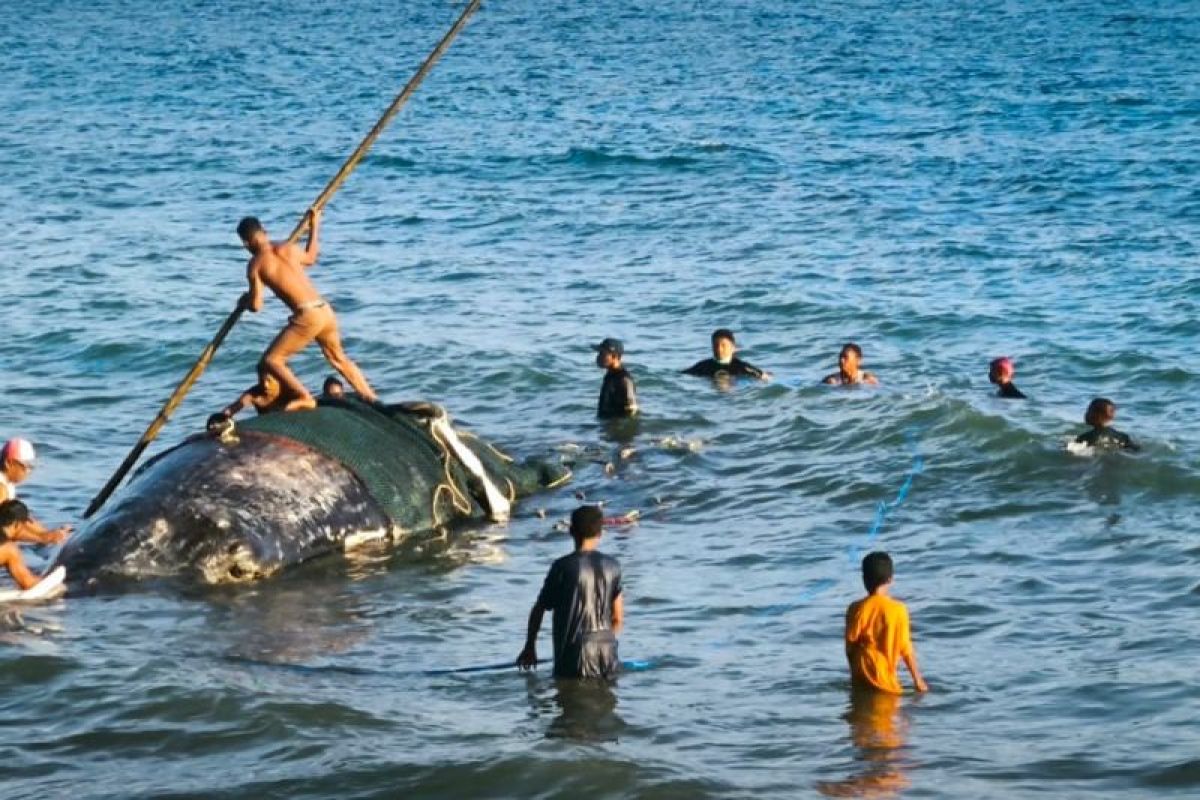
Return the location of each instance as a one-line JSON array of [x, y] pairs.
[[14, 517], [877, 632], [583, 591]]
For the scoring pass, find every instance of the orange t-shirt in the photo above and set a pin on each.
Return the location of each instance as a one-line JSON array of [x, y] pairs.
[[877, 637]]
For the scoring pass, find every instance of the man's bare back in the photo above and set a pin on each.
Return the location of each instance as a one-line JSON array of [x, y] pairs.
[[281, 268]]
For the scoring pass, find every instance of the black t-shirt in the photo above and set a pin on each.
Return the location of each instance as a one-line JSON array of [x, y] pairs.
[[617, 396], [580, 590], [1106, 438], [736, 368], [1010, 391]]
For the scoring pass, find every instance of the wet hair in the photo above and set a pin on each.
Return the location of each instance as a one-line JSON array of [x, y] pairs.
[[587, 522], [852, 347], [11, 513], [723, 333], [1100, 412], [332, 381], [248, 227], [876, 570]]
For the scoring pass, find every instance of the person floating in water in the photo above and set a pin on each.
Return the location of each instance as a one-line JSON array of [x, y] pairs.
[[849, 373], [877, 632], [14, 524], [1101, 413], [724, 362], [618, 397], [17, 458], [1001, 373], [333, 389], [281, 268], [583, 591]]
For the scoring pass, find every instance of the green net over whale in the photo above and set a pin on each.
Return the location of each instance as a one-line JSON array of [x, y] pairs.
[[403, 465]]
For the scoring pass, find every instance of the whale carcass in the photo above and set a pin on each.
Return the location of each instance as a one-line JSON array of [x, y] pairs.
[[284, 488]]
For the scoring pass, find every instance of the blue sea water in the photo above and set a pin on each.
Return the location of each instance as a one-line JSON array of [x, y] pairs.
[[940, 182]]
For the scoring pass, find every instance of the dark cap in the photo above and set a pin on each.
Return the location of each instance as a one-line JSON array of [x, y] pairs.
[[610, 345]]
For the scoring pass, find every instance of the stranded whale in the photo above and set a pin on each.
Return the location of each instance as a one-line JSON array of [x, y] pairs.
[[284, 488]]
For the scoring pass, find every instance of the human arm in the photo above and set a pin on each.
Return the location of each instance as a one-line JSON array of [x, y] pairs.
[[36, 533], [910, 661], [313, 248], [527, 658], [10, 558], [618, 613], [631, 404], [869, 378], [701, 369], [252, 300], [751, 371]]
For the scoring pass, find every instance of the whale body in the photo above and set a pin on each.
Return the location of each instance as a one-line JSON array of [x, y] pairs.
[[288, 487]]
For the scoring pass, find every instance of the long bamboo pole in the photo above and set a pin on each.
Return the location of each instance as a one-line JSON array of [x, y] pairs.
[[330, 189]]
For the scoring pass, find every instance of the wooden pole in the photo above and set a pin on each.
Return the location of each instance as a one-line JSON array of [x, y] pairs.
[[330, 189]]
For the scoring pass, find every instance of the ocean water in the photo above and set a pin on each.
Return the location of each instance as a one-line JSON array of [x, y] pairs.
[[940, 182]]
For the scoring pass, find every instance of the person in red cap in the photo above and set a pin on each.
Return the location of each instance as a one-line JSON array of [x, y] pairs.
[[16, 462], [1001, 373]]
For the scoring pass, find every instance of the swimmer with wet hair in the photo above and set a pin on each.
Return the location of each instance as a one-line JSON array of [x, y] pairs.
[[1001, 373], [724, 363], [14, 523], [1101, 413], [849, 373], [333, 388]]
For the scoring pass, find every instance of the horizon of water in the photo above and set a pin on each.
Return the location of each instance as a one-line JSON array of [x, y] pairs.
[[941, 183]]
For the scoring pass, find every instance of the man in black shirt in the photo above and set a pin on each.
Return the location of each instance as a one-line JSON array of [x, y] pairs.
[[617, 395], [583, 591], [724, 363]]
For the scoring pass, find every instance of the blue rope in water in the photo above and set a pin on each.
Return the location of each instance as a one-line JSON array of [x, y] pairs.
[[854, 551]]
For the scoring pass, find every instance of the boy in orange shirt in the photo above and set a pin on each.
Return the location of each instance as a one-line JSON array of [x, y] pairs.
[[877, 633]]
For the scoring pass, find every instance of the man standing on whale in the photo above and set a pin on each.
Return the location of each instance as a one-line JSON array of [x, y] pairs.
[[281, 268]]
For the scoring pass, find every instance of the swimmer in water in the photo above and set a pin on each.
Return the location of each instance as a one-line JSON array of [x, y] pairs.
[[1100, 415], [724, 362], [333, 388], [17, 458], [848, 373], [1001, 373], [618, 397], [14, 521]]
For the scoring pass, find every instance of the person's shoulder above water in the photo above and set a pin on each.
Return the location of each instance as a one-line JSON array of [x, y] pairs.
[[1000, 372], [724, 362], [849, 371], [618, 396], [1100, 415]]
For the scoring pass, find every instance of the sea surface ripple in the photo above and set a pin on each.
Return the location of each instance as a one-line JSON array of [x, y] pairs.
[[941, 182]]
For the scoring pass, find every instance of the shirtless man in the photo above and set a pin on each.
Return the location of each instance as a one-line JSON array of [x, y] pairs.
[[281, 268], [848, 373]]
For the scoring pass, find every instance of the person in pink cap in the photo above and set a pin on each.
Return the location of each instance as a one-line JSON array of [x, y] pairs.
[[1001, 373], [16, 462]]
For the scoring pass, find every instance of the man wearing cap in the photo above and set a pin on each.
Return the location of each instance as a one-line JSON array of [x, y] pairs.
[[724, 363], [16, 462], [617, 395]]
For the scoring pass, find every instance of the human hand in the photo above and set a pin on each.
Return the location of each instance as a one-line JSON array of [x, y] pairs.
[[922, 686], [314, 217], [59, 535], [528, 658], [244, 302]]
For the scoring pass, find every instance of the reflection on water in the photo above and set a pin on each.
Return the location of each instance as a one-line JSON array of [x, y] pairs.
[[879, 732], [585, 710]]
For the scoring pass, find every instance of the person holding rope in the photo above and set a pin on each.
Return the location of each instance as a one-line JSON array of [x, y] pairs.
[[281, 268]]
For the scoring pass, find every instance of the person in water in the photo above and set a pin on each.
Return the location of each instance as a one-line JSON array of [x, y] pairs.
[[281, 268], [724, 362], [1001, 373], [14, 522], [583, 592], [1101, 413], [877, 632], [849, 373], [618, 397], [17, 458], [332, 388]]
